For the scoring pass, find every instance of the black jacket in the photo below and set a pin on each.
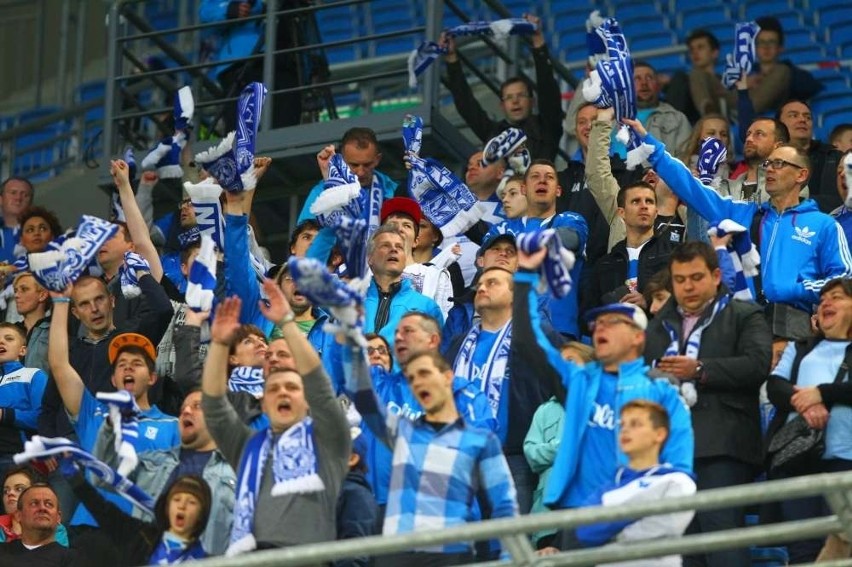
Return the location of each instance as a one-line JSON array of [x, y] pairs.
[[611, 270], [822, 183], [543, 130], [532, 380], [736, 350]]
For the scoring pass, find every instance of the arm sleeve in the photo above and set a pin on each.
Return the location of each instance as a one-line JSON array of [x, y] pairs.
[[323, 243], [706, 202], [332, 429], [542, 441], [663, 525], [497, 480], [602, 183], [680, 445], [155, 314], [778, 387], [466, 104], [188, 364], [835, 261], [593, 535], [28, 418], [239, 275], [120, 527], [306, 213], [549, 99], [745, 112], [230, 434], [366, 402]]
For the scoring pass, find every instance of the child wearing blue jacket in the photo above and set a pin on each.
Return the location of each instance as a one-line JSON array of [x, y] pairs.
[[644, 430], [21, 390]]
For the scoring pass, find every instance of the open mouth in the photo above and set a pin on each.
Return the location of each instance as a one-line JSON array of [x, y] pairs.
[[423, 396], [128, 382], [284, 406]]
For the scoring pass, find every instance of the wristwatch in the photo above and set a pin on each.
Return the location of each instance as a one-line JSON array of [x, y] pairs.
[[699, 372], [288, 318]]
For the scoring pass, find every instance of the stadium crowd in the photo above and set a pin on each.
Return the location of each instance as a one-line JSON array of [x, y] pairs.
[[175, 400]]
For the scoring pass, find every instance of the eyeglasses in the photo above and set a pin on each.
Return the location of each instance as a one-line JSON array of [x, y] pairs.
[[779, 163], [606, 322], [185, 203], [377, 350], [514, 97]]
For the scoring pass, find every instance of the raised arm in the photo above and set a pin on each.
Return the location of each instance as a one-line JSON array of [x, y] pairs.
[[239, 275], [602, 183], [466, 104], [139, 232], [68, 382]]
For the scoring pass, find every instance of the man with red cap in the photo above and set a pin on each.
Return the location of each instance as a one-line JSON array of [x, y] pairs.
[[430, 279]]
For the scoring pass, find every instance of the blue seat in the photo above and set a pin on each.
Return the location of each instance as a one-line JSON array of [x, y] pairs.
[[754, 9], [695, 17], [633, 11], [833, 118], [652, 40], [669, 64], [817, 4], [28, 157], [805, 54], [93, 119], [837, 30], [644, 25], [394, 45], [798, 38], [835, 79], [828, 102], [829, 14]]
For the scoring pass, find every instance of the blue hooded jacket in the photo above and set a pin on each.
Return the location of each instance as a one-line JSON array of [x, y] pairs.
[[800, 248]]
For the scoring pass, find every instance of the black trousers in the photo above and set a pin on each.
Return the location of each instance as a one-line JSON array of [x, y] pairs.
[[719, 472]]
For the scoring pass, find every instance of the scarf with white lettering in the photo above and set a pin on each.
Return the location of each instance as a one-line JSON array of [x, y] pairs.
[[342, 195], [124, 415], [556, 268], [294, 470], [495, 371], [40, 449], [742, 59], [510, 145], [445, 200], [692, 345], [201, 281], [247, 379], [172, 550], [427, 52], [341, 299], [208, 210], [55, 268]]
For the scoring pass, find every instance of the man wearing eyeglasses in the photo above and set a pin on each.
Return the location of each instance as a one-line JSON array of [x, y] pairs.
[[588, 453], [517, 96], [800, 247]]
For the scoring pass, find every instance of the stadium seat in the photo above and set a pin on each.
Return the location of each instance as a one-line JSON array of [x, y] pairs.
[[805, 54], [28, 158], [93, 119], [695, 17], [756, 8], [817, 4], [834, 79], [830, 14], [803, 37], [653, 40], [832, 118]]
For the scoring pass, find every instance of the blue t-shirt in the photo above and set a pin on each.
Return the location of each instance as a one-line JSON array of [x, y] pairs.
[[484, 344], [820, 367], [599, 442], [156, 431]]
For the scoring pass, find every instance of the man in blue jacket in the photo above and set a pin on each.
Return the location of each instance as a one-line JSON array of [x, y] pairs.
[[589, 454], [800, 247]]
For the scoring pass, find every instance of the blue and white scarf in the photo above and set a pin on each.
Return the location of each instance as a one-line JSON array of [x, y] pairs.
[[510, 145], [249, 107], [208, 211], [221, 163], [40, 449], [124, 415], [201, 281], [495, 371], [421, 59], [172, 550], [341, 194], [352, 240], [329, 292], [184, 108], [412, 134], [610, 85], [744, 256], [55, 269], [595, 40], [742, 59], [427, 52], [247, 379], [444, 198], [692, 345], [188, 236], [556, 267], [294, 470], [133, 262], [711, 155], [165, 157]]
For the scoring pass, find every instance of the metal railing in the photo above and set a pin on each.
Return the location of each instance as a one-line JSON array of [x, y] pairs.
[[835, 487]]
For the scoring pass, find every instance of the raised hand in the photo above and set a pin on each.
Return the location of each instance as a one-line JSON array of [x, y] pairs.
[[323, 157], [227, 321], [276, 308], [120, 172], [531, 261], [261, 166]]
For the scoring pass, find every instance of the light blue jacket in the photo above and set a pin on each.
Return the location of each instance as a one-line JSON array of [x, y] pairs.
[[800, 249], [566, 487], [407, 299]]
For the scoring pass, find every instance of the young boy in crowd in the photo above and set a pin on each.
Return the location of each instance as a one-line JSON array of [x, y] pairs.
[[644, 429]]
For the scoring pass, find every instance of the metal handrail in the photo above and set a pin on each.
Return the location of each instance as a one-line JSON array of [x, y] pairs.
[[836, 487]]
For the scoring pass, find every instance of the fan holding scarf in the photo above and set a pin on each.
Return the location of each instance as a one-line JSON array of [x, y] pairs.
[[289, 474]]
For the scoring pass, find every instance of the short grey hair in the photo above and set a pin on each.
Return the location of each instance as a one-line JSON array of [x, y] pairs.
[[384, 229]]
